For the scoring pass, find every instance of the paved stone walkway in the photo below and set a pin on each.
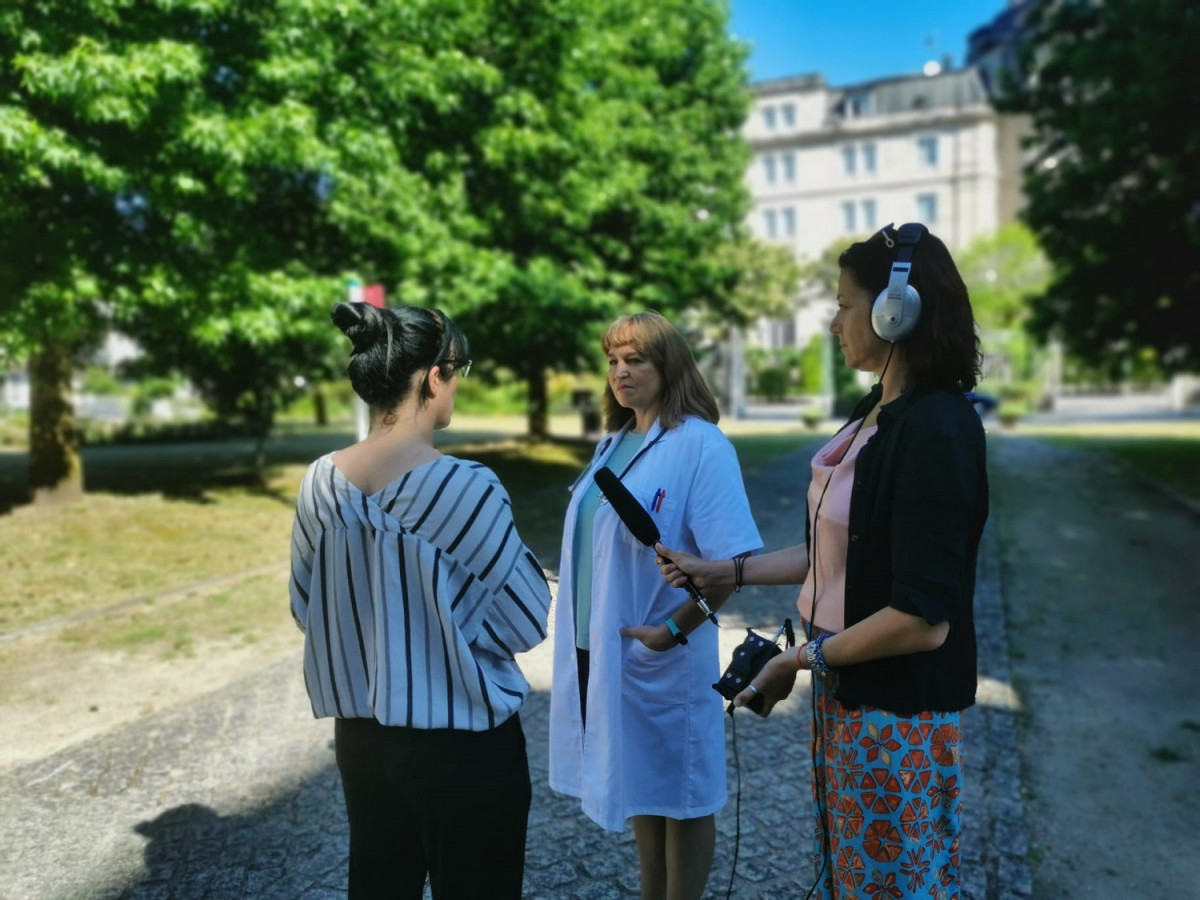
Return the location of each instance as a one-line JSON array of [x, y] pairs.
[[237, 796]]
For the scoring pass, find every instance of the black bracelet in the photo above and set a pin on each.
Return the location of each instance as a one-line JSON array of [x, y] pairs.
[[739, 563]]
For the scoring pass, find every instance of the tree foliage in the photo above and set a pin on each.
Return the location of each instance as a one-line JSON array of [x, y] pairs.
[[1004, 271], [533, 168], [213, 171], [605, 175], [1112, 185], [763, 280]]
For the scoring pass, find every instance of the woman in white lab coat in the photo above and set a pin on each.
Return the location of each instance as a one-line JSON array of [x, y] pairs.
[[636, 729]]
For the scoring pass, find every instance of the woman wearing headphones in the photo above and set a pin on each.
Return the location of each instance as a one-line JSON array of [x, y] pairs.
[[896, 507]]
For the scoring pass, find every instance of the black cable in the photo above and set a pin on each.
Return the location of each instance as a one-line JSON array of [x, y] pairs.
[[789, 641], [819, 770], [818, 777], [737, 817]]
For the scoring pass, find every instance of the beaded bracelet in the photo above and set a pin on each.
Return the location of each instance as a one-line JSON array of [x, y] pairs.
[[816, 659]]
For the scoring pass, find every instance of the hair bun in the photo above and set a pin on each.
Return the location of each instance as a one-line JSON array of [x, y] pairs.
[[361, 322]]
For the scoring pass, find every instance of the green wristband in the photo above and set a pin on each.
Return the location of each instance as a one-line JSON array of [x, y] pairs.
[[680, 637]]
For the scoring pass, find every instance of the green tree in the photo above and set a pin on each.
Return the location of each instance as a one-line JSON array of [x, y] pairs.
[[820, 274], [813, 363], [133, 168], [305, 147], [1004, 271], [58, 234], [213, 170], [606, 175], [1112, 185], [761, 280]]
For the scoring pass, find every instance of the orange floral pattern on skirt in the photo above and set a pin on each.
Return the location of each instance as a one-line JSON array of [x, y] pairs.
[[887, 801]]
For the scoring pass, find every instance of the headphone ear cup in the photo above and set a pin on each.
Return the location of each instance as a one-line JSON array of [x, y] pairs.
[[894, 319]]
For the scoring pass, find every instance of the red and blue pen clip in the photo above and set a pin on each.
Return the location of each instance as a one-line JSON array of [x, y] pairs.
[[659, 496]]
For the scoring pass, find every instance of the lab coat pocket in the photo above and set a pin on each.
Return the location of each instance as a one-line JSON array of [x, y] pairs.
[[654, 676], [662, 512]]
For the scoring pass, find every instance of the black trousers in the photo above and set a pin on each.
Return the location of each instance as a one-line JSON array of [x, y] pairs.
[[450, 804]]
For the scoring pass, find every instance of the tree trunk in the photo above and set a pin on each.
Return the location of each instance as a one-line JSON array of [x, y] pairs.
[[55, 468], [538, 419], [320, 407], [264, 418]]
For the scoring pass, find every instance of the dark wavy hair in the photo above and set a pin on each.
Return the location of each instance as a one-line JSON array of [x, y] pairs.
[[684, 391], [943, 350], [389, 345]]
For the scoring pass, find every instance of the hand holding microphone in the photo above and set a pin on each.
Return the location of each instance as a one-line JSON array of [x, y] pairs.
[[641, 526], [678, 567]]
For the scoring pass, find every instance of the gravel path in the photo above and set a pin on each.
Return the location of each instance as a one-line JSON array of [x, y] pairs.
[[236, 794]]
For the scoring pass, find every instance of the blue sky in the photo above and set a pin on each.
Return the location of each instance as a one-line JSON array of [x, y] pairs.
[[849, 41]]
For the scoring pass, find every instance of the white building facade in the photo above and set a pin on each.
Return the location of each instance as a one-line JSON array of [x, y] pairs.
[[832, 165]]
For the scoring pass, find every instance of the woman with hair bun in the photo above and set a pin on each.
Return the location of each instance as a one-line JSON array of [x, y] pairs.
[[414, 593]]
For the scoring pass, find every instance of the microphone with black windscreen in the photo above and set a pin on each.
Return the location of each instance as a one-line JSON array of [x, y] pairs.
[[640, 524]]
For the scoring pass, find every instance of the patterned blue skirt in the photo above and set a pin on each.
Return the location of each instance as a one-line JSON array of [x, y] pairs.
[[886, 798]]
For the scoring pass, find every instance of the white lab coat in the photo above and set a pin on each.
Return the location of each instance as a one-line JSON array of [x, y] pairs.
[[655, 740]]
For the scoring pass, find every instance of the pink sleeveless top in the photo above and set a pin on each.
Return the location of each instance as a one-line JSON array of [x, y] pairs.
[[829, 505]]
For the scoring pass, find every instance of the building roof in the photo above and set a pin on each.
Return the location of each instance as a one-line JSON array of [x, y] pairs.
[[956, 88], [789, 84]]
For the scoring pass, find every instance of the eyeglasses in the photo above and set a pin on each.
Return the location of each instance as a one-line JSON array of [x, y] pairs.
[[462, 370]]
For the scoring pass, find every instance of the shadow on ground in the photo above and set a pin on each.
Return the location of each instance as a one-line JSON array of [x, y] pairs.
[[190, 470]]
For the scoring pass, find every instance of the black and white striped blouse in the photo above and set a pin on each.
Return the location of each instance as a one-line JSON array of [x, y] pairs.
[[413, 600]]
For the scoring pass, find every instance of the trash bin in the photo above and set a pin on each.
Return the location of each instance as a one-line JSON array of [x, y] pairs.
[[591, 421], [589, 413]]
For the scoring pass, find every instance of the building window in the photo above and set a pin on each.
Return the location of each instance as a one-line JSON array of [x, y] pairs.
[[868, 157], [788, 112], [927, 208], [769, 169], [789, 222], [769, 117], [769, 224], [787, 332], [849, 223], [858, 105], [927, 151], [868, 215], [848, 159], [789, 167]]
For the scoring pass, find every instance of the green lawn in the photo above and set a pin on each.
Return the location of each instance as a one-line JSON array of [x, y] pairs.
[[757, 451], [1174, 462], [156, 528], [113, 547], [166, 519], [1167, 452]]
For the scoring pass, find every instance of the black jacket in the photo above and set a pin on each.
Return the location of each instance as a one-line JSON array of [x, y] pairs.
[[917, 510]]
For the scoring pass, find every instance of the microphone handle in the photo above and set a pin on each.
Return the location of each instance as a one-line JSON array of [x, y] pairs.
[[699, 598]]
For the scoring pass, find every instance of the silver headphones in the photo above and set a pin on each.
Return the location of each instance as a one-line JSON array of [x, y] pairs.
[[896, 310]]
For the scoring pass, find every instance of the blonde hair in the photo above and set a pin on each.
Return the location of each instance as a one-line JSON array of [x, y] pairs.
[[683, 391]]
